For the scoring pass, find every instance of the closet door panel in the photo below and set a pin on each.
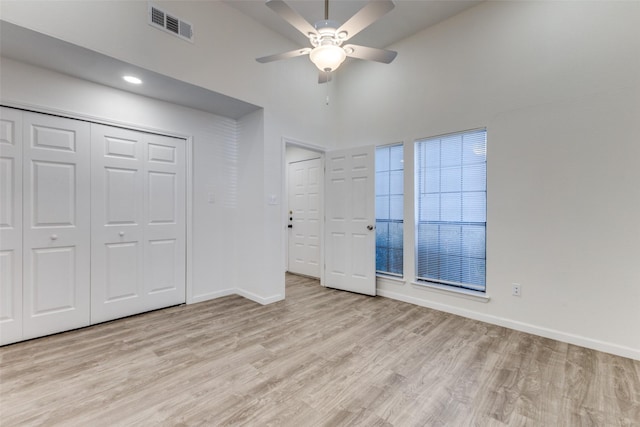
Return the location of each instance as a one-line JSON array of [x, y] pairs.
[[165, 222], [117, 198], [56, 224], [92, 223], [10, 225]]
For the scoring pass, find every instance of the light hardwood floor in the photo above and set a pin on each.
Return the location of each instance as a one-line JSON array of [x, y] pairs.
[[321, 357]]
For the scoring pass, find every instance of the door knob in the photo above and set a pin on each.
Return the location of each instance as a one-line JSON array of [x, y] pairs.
[[54, 237], [369, 227], [121, 233]]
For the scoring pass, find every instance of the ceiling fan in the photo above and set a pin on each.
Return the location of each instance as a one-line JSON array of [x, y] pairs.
[[327, 38]]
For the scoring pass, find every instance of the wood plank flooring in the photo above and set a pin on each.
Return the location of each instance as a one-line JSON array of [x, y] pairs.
[[320, 358]]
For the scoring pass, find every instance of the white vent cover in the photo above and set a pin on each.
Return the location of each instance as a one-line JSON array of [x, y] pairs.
[[160, 19]]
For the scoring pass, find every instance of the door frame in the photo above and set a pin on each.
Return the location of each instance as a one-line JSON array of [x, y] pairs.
[[188, 170], [290, 142]]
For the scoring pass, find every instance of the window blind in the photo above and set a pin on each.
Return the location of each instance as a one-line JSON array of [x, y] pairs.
[[389, 209], [451, 200]]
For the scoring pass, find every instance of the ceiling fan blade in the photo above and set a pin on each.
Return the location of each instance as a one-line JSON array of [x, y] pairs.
[[370, 53], [324, 77], [284, 55], [291, 16], [366, 16]]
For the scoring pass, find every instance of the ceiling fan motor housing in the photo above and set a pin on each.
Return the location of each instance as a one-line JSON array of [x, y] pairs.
[[326, 34]]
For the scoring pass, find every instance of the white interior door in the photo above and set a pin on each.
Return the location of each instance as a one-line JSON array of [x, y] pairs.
[[117, 244], [10, 225], [138, 240], [350, 220], [56, 209], [305, 186]]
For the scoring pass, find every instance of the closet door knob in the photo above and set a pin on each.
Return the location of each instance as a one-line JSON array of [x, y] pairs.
[[54, 237], [121, 233]]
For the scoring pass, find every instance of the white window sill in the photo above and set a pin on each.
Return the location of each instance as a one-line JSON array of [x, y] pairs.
[[450, 290], [396, 279]]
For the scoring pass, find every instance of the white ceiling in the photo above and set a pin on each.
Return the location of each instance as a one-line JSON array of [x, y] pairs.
[[407, 18]]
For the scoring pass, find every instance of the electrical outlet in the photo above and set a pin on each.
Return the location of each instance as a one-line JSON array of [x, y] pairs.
[[516, 289]]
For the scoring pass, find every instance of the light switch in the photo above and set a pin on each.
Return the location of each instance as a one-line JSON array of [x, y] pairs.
[[273, 199]]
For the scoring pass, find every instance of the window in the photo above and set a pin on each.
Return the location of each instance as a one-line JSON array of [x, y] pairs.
[[451, 199], [389, 209]]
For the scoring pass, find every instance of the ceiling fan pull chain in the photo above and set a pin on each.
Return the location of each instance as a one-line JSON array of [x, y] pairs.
[[328, 81]]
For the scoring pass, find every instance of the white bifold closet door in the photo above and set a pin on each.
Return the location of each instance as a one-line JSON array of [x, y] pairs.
[[10, 225], [138, 222], [56, 224]]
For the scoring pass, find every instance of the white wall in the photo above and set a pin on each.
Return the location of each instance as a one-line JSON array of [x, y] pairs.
[[557, 85], [254, 214]]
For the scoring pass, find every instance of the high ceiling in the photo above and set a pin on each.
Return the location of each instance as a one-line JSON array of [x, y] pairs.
[[407, 18]]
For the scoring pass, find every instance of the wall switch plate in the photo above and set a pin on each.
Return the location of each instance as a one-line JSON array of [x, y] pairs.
[[516, 289]]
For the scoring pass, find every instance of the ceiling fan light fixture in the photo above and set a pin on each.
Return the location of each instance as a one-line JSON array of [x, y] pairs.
[[327, 57]]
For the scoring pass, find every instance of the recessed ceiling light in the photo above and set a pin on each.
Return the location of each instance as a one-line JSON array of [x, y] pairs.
[[132, 80]]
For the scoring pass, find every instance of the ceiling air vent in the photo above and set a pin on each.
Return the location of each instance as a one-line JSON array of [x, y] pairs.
[[160, 19]]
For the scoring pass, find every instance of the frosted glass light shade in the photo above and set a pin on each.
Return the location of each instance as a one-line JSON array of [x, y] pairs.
[[327, 57]]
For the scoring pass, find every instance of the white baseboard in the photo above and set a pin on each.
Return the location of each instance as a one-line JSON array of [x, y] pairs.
[[236, 291], [259, 299], [212, 295], [603, 346]]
